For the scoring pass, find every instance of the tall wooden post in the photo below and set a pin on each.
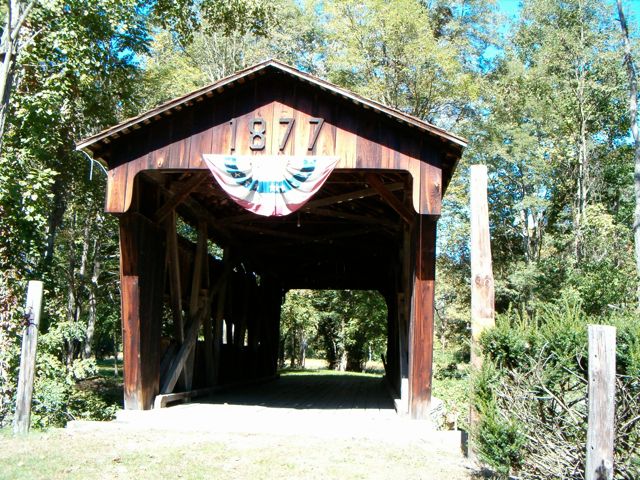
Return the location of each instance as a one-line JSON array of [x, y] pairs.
[[26, 374], [482, 288], [602, 402], [421, 327], [142, 288]]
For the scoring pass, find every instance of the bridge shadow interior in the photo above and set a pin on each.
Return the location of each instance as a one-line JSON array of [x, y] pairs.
[[311, 391]]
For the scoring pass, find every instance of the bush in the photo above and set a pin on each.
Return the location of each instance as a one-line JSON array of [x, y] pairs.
[[57, 397], [531, 394]]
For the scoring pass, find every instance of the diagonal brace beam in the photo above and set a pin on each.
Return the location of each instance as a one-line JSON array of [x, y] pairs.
[[393, 201]]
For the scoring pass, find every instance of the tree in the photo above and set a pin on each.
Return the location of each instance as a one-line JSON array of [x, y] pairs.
[[633, 119], [11, 46], [74, 71], [404, 55]]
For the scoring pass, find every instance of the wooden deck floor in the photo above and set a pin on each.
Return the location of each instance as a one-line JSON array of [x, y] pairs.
[[318, 405], [314, 391]]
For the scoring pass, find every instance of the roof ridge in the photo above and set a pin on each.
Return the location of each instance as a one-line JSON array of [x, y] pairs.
[[87, 142]]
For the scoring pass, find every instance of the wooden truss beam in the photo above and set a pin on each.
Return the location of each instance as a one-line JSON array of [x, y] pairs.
[[197, 211], [393, 201], [322, 202], [348, 197], [178, 196], [191, 335], [350, 216]]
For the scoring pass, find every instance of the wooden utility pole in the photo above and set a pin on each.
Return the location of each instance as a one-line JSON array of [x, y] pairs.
[[28, 358], [602, 402], [482, 289]]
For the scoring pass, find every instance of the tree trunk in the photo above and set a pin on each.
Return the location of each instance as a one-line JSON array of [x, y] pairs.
[[55, 218], [92, 313], [17, 12], [633, 117]]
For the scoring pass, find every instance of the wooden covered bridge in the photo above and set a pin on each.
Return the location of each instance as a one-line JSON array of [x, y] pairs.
[[303, 185]]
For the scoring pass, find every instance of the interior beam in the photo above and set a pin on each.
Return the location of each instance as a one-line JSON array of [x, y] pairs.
[[393, 201]]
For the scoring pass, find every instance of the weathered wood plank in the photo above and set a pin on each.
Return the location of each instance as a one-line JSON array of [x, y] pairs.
[[206, 323], [602, 402], [175, 285], [348, 197], [142, 287], [33, 309], [191, 335], [219, 315], [180, 360], [482, 286]]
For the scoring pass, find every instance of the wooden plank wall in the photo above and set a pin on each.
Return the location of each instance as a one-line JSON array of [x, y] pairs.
[[360, 139]]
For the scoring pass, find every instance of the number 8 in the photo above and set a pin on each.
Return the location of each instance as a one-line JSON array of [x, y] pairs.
[[257, 129]]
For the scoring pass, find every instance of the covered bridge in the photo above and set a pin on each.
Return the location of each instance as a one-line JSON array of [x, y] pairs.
[[303, 185]]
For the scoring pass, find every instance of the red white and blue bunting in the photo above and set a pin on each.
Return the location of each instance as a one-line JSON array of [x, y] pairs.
[[270, 185]]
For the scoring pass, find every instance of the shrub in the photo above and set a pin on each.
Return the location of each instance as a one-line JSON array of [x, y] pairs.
[[531, 394]]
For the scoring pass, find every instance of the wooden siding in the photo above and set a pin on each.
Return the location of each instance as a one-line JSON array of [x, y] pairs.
[[359, 138]]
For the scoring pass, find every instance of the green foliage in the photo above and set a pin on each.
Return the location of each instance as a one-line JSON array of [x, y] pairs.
[[500, 442], [531, 394], [405, 55], [77, 72], [346, 327]]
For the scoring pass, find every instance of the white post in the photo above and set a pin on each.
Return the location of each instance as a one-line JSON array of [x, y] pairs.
[[602, 402], [28, 358]]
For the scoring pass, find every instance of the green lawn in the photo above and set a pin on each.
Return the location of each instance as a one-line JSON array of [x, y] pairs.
[[122, 454]]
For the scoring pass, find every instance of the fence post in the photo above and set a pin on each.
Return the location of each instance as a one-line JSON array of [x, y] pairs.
[[28, 358], [602, 390]]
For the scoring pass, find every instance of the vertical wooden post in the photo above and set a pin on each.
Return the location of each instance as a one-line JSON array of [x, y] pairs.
[[219, 316], [175, 284], [482, 288], [142, 287], [26, 374], [602, 390], [421, 327]]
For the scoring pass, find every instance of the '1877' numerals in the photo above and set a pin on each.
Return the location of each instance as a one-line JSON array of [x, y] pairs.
[[258, 132]]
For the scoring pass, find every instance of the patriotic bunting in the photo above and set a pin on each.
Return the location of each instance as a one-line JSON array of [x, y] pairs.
[[270, 185]]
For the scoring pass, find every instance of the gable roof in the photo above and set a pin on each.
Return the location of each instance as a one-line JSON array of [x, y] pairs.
[[94, 142]]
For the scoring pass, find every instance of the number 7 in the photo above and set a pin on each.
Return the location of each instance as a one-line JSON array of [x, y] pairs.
[[285, 139], [314, 137]]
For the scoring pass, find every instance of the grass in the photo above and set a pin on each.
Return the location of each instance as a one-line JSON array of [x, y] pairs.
[[374, 366], [117, 453], [107, 370], [59, 454]]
